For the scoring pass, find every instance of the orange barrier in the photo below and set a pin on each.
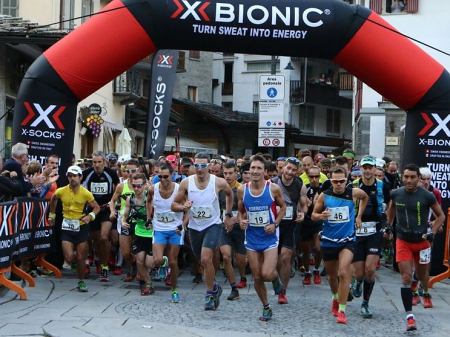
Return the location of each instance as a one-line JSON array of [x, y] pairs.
[[446, 274]]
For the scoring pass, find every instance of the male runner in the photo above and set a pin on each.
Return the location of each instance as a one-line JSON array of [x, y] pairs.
[[411, 205], [336, 209], [198, 195], [257, 202]]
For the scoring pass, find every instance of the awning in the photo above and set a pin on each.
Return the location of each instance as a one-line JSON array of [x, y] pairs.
[[188, 145]]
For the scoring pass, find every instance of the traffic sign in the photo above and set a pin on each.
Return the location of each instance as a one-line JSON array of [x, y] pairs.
[[271, 115], [271, 137], [271, 87]]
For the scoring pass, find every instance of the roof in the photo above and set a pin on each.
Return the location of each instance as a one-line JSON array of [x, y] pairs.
[[19, 30], [219, 114]]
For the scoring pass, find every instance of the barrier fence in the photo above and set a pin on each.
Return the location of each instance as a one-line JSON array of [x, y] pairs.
[[24, 233], [446, 274]]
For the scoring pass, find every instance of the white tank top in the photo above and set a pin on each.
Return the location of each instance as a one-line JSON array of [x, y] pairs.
[[163, 218], [205, 210]]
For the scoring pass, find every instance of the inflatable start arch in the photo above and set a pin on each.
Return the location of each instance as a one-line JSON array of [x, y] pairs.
[[352, 36]]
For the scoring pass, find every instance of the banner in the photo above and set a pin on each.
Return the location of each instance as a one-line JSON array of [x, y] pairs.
[[161, 90], [24, 229], [428, 134]]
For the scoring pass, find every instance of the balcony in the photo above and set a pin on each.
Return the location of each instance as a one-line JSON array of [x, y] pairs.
[[346, 85], [227, 89], [317, 93]]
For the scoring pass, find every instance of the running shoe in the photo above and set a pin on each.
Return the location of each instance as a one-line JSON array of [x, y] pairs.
[[365, 311], [234, 295], [427, 301], [341, 318], [175, 297], [217, 295], [266, 315], [277, 286], [128, 278], [82, 286], [307, 279], [147, 289], [104, 274], [282, 298], [410, 323], [335, 307], [415, 298], [356, 288], [117, 271], [210, 303], [242, 284], [317, 279]]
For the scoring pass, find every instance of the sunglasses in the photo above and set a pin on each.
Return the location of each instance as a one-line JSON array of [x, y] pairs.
[[201, 166], [338, 181], [132, 171], [137, 185], [311, 177], [160, 176]]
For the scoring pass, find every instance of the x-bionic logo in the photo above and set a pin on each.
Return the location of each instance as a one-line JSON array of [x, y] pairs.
[[165, 59], [191, 9], [438, 123], [43, 115]]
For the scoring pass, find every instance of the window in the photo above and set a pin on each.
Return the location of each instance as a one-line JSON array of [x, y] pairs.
[[228, 106], [255, 107], [8, 7], [192, 93], [194, 54], [333, 121], [306, 118], [181, 66], [262, 67], [394, 6], [121, 84], [86, 9], [67, 14]]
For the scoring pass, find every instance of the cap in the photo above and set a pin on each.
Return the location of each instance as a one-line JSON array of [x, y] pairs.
[[349, 154], [74, 170], [171, 158], [368, 160], [123, 158], [111, 157], [380, 162]]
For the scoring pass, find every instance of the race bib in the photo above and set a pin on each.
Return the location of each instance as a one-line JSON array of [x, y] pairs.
[[338, 214], [99, 188], [367, 228], [165, 217], [289, 213], [425, 256], [201, 213], [258, 219], [70, 225]]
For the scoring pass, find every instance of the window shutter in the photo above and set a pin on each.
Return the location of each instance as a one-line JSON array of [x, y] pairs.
[[412, 6], [376, 6]]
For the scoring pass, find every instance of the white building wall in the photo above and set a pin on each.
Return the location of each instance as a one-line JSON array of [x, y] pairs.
[[377, 139]]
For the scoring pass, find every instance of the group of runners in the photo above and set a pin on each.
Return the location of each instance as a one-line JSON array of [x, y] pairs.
[[261, 221]]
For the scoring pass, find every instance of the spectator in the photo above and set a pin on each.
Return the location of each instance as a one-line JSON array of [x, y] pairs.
[[349, 154]]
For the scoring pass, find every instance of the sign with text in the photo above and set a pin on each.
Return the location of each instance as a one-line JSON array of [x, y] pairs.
[[271, 115], [270, 137], [271, 87]]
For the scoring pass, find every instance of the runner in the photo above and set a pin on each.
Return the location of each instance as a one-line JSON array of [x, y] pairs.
[[122, 192], [136, 219], [75, 224], [369, 238], [257, 201], [411, 205], [167, 225], [335, 207], [198, 194], [294, 195], [232, 238], [309, 230], [101, 181]]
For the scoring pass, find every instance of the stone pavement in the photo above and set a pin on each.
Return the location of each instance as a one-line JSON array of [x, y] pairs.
[[116, 309]]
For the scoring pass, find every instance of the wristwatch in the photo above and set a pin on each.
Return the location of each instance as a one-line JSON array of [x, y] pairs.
[[229, 214]]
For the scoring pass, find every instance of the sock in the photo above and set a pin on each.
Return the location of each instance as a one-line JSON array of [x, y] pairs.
[[266, 306], [358, 283], [335, 296], [233, 286], [368, 287], [406, 297], [342, 307]]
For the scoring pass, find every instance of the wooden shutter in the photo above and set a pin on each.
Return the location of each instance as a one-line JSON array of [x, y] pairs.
[[412, 6], [376, 6]]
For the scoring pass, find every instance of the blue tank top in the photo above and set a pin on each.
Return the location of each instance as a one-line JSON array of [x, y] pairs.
[[339, 228], [261, 210]]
